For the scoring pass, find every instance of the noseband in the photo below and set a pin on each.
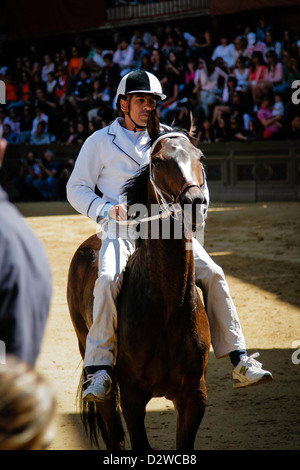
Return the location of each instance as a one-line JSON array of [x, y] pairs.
[[158, 191]]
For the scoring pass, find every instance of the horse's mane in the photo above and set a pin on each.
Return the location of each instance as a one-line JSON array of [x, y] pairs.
[[135, 189]]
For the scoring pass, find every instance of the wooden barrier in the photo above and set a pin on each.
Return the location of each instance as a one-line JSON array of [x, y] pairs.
[[245, 172], [253, 171]]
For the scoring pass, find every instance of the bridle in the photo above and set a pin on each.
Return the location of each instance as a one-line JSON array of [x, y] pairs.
[[173, 207], [168, 207]]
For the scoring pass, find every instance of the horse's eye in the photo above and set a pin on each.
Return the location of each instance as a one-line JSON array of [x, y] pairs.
[[156, 164]]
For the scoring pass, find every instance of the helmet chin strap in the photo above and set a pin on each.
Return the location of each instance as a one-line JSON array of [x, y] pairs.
[[135, 124]]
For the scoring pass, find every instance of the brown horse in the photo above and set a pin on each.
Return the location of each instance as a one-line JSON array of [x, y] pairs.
[[163, 332]]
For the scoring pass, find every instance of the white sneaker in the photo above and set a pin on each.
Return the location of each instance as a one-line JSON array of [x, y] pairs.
[[99, 388], [249, 372]]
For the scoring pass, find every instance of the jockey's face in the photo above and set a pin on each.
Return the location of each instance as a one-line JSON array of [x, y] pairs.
[[140, 106]]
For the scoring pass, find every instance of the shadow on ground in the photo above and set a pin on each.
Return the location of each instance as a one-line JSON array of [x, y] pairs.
[[264, 417]]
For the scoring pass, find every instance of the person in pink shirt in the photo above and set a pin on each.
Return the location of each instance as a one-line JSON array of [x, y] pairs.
[[271, 124], [273, 72]]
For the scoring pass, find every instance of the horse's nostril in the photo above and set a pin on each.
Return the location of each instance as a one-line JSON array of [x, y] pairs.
[[200, 200], [194, 201]]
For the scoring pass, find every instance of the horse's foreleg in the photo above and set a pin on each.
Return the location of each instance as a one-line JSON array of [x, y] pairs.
[[133, 405], [190, 412]]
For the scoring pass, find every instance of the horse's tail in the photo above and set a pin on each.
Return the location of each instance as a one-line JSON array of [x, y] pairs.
[[102, 419]]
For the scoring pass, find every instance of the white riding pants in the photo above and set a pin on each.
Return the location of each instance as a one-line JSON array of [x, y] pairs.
[[101, 342]]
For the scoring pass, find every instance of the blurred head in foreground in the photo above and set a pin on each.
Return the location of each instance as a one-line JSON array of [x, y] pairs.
[[27, 408]]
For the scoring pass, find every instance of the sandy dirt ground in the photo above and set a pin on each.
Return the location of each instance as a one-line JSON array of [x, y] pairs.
[[258, 247]]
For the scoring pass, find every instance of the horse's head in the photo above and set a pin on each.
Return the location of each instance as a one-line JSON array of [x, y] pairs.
[[176, 170]]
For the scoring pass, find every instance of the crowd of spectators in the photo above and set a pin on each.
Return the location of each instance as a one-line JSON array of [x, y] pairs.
[[238, 88]]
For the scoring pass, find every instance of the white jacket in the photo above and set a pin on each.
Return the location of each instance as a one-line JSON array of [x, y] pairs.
[[107, 159]]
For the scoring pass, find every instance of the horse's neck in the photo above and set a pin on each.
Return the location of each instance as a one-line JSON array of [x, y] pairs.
[[171, 268]]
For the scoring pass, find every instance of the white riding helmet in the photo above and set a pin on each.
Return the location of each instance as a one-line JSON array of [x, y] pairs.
[[139, 81]]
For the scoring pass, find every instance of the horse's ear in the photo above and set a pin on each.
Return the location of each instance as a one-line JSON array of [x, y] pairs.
[[153, 125], [192, 131]]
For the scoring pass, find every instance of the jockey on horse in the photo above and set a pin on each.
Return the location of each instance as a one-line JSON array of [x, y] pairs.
[[107, 159]]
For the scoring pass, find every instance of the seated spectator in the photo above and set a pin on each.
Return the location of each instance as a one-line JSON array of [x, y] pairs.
[[208, 85], [51, 83], [98, 110], [80, 98], [253, 132], [8, 135], [235, 130], [278, 108], [168, 108], [293, 132], [37, 84], [273, 72], [145, 36], [293, 70], [239, 48], [13, 121], [27, 66], [61, 85], [146, 62], [17, 68], [28, 172], [48, 105], [47, 182], [205, 133], [158, 63], [174, 68], [202, 46], [241, 73], [81, 133], [58, 62], [76, 63], [288, 43], [139, 51], [221, 132], [110, 76], [11, 89], [272, 45], [262, 28], [225, 105], [123, 57], [26, 121], [39, 117], [254, 46], [96, 61], [256, 76], [189, 84], [98, 94], [64, 175], [225, 50], [69, 135], [47, 67], [169, 43], [271, 124], [40, 137], [24, 92]]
